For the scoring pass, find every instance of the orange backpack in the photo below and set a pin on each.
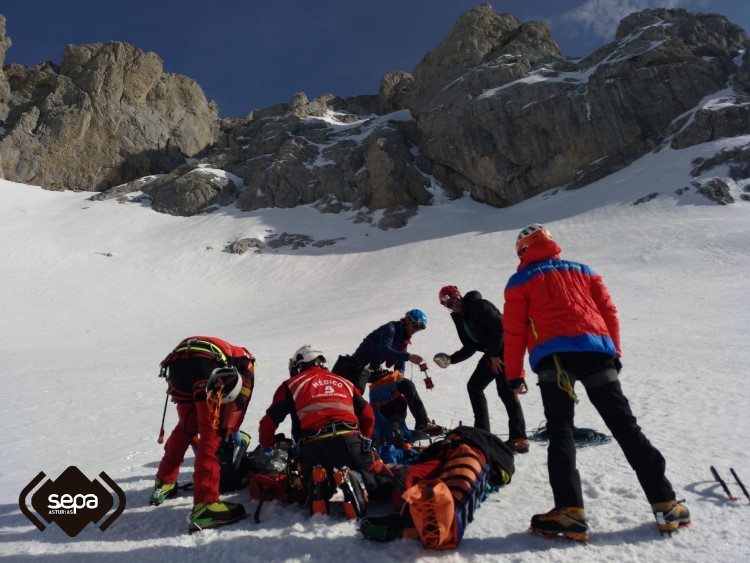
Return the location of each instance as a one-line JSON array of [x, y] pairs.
[[388, 401], [432, 510], [441, 508]]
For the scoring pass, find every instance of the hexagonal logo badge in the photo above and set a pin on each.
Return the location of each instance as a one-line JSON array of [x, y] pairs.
[[72, 501]]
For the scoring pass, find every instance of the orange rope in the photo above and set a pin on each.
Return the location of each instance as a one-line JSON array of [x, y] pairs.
[[213, 399]]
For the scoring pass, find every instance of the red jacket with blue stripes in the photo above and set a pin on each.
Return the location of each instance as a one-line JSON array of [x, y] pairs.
[[554, 305]]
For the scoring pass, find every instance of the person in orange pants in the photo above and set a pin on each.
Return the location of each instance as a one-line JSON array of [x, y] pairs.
[[211, 382]]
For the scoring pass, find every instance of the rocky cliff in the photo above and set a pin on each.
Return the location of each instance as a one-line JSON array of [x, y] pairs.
[[494, 81], [495, 110], [107, 113]]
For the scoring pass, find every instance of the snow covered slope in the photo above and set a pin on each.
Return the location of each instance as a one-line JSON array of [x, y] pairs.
[[94, 294]]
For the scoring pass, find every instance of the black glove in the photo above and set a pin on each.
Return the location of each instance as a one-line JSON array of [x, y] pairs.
[[618, 365], [517, 383]]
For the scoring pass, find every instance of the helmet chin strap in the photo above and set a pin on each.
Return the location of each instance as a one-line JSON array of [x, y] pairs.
[[299, 367]]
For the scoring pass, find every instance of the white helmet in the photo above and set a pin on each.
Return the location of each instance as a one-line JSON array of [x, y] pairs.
[[305, 357], [226, 380]]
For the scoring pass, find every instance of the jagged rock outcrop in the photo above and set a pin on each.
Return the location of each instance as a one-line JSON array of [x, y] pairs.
[[108, 114], [743, 73], [736, 159], [188, 190], [243, 245], [494, 81], [716, 190], [305, 151], [395, 88], [499, 112], [5, 44], [495, 110]]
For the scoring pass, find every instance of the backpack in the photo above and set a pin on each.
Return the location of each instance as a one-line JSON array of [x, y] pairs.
[[275, 477], [391, 436], [441, 508], [234, 462], [432, 511], [390, 409], [348, 368]]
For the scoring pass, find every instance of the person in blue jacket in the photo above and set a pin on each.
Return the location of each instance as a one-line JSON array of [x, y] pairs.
[[386, 347]]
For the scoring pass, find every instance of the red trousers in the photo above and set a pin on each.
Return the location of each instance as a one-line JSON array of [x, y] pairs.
[[193, 419]]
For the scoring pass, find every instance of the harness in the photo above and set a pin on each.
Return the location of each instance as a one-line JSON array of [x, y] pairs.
[[332, 430], [201, 348], [192, 347], [566, 380]]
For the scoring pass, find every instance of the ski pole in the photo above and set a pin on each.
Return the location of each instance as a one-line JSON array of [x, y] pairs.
[[160, 440], [722, 483], [742, 486]]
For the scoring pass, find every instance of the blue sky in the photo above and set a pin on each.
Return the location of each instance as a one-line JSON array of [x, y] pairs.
[[249, 54]]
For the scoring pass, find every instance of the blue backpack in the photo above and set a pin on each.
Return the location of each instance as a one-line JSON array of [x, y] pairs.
[[391, 436]]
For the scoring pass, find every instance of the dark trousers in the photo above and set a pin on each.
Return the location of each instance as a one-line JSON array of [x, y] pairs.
[[352, 369], [337, 451], [478, 382], [613, 406], [416, 407]]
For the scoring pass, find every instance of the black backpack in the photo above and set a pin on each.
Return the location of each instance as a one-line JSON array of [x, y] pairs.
[[234, 463]]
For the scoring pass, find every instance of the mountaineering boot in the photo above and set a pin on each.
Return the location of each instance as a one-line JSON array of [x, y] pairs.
[[518, 445], [670, 515], [319, 491], [355, 495], [568, 522], [161, 492], [430, 429], [213, 514]]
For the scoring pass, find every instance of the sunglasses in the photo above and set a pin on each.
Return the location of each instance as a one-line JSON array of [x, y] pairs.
[[416, 324], [451, 302]]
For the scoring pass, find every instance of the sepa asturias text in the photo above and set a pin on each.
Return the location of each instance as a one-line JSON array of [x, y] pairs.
[[68, 504]]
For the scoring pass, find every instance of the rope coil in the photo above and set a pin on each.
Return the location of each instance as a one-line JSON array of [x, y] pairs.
[[583, 437]]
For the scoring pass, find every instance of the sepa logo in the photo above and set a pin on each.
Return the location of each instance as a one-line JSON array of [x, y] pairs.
[[72, 501]]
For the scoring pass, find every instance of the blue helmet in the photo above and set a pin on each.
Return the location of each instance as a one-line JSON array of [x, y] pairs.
[[417, 318]]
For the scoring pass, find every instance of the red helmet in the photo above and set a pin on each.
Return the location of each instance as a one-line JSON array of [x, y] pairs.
[[449, 295], [529, 235]]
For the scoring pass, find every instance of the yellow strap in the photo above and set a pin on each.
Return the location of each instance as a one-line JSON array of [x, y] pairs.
[[335, 432], [329, 435], [563, 380], [533, 329], [207, 347]]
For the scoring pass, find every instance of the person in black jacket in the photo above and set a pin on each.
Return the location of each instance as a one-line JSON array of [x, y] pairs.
[[480, 328]]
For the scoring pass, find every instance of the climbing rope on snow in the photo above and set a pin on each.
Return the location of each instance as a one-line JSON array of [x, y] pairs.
[[584, 437]]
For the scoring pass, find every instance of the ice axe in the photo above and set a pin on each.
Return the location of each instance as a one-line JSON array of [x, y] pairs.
[[160, 440], [722, 483]]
